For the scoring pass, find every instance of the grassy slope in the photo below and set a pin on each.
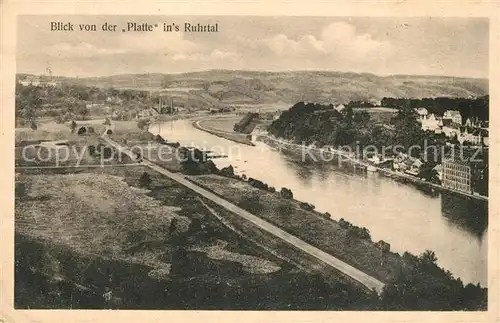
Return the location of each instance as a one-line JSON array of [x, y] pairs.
[[309, 226], [270, 87]]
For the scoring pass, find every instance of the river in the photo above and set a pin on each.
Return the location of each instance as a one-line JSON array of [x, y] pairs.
[[409, 219]]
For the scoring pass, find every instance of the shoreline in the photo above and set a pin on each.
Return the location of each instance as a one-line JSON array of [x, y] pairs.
[[386, 172], [234, 137]]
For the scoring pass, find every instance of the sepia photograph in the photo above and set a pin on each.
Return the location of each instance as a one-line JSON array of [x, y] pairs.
[[270, 163]]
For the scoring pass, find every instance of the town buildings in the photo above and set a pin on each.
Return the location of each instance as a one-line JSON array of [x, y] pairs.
[[474, 132], [454, 115], [466, 171], [38, 82], [147, 113], [457, 175]]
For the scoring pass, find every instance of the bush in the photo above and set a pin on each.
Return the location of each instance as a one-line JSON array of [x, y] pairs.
[[92, 150], [257, 184], [107, 122], [227, 171], [33, 126], [195, 225], [286, 193], [82, 131], [143, 124], [306, 206], [72, 126], [59, 119], [173, 144], [159, 139], [145, 180], [107, 152], [173, 223]]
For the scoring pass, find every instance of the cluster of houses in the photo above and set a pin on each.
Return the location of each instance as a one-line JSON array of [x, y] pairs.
[[472, 132], [38, 82], [405, 163]]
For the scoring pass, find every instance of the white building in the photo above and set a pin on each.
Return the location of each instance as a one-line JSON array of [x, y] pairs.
[[430, 122], [37, 82], [422, 113], [340, 107], [147, 113], [454, 115]]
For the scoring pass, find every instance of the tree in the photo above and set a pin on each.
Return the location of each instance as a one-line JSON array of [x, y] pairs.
[[286, 193], [227, 171], [145, 180], [408, 131], [83, 111], [173, 225], [73, 126], [428, 258], [195, 225], [143, 124], [429, 174]]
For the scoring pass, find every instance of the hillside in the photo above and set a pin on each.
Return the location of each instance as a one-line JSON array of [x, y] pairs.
[[252, 87]]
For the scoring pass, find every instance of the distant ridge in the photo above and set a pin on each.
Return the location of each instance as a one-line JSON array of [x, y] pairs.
[[261, 87]]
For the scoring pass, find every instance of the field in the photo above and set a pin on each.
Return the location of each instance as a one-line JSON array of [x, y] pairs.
[[223, 124], [94, 215], [229, 135], [81, 233]]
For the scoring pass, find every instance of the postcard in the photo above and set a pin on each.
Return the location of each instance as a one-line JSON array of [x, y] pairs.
[[235, 164]]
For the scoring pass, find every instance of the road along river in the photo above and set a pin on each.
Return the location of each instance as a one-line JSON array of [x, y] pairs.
[[454, 227]]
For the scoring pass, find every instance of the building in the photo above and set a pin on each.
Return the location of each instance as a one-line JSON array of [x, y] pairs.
[[422, 113], [38, 82], [147, 113], [449, 128], [476, 137], [439, 170], [454, 115], [486, 141], [340, 107], [431, 123], [457, 174]]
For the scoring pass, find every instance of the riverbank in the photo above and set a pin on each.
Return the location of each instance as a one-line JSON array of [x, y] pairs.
[[275, 142], [232, 136]]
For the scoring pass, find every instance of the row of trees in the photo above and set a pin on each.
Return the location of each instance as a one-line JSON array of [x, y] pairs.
[[242, 125], [69, 101], [322, 124], [423, 285], [308, 123]]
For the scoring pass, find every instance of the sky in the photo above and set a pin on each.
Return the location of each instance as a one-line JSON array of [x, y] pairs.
[[382, 46]]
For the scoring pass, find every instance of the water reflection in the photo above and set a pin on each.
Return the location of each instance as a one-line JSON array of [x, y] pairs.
[[468, 214]]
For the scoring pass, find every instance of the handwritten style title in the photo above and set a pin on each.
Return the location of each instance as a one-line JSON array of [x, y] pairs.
[[186, 27]]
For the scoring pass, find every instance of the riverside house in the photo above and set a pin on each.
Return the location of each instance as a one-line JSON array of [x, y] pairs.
[[147, 113], [454, 116]]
